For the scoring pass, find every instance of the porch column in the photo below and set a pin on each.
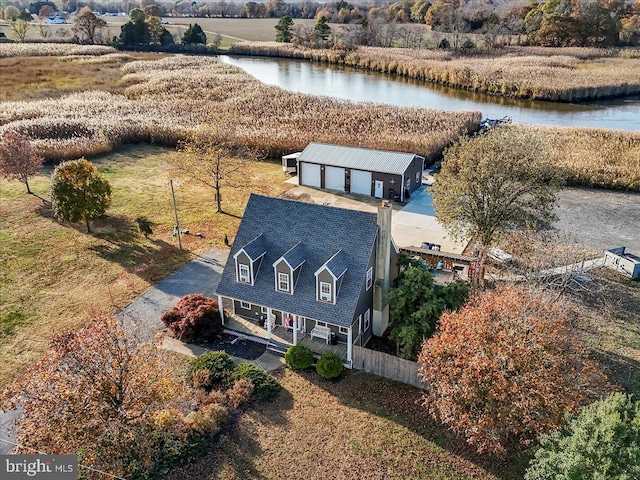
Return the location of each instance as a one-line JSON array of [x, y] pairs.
[[349, 346], [220, 309], [268, 323], [296, 319]]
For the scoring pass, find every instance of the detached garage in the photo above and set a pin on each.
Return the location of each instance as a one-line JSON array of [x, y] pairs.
[[376, 173]]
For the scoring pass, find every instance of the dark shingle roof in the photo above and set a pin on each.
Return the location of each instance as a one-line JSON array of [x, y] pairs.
[[322, 230], [255, 248], [295, 256], [338, 264]]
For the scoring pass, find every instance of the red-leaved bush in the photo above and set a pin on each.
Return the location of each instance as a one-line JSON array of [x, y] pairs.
[[194, 317], [506, 368]]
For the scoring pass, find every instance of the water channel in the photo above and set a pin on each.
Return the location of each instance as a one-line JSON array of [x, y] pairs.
[[357, 85]]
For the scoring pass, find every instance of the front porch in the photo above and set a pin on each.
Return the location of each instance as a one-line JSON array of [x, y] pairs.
[[282, 338]]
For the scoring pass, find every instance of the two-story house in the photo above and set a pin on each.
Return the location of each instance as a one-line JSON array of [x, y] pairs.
[[311, 269]]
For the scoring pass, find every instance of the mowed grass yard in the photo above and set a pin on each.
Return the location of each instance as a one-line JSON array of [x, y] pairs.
[[54, 276], [361, 427]]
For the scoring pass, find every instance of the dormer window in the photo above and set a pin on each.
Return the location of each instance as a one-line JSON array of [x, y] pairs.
[[248, 260], [325, 291], [329, 277], [288, 267], [244, 273], [369, 278], [283, 282]]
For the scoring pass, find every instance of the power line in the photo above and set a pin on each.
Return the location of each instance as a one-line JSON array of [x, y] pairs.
[[79, 465]]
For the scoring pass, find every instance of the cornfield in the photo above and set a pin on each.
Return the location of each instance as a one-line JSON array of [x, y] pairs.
[[561, 75], [172, 96]]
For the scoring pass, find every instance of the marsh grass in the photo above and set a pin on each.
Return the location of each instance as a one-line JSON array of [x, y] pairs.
[[39, 77], [54, 276], [593, 157], [166, 99]]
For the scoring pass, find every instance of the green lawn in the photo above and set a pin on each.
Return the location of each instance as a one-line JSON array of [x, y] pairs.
[[54, 276]]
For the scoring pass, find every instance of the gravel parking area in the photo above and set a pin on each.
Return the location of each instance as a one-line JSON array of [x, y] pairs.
[[600, 218]]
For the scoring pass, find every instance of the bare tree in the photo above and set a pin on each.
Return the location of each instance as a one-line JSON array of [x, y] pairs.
[[19, 160], [214, 158], [19, 29], [87, 26]]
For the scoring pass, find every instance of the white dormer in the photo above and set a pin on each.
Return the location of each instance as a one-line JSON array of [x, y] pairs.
[[287, 268], [248, 260], [329, 278]]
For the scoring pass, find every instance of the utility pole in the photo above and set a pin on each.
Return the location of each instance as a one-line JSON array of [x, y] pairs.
[[175, 211]]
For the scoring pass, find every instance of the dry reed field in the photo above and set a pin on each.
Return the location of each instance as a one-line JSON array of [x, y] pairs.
[[560, 75], [169, 97], [592, 157]]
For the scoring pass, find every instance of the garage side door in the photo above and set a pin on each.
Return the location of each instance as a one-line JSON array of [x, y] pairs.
[[310, 174], [334, 178], [361, 182]]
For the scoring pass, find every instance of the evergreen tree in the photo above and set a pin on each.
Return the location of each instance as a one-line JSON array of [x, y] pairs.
[[283, 29], [322, 30], [194, 35]]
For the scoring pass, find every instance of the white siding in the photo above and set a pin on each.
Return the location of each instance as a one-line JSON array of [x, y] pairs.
[[361, 182], [310, 175], [334, 178]]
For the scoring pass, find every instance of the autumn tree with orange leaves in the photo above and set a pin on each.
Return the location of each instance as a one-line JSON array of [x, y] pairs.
[[109, 397], [506, 368]]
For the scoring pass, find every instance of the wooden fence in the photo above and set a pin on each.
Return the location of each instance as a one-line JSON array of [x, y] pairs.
[[388, 366]]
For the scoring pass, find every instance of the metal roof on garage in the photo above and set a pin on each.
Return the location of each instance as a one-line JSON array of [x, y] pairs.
[[357, 158]]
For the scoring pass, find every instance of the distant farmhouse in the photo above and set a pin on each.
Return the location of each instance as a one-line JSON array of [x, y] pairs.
[[311, 271], [377, 173]]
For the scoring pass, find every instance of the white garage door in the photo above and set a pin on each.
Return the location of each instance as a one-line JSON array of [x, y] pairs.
[[334, 178], [310, 174], [361, 182]]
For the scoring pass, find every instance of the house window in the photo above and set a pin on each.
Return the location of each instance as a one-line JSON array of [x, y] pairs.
[[245, 305], [263, 310], [325, 291], [408, 187], [321, 324], [344, 331], [367, 319], [417, 177], [244, 274], [283, 282], [369, 278]]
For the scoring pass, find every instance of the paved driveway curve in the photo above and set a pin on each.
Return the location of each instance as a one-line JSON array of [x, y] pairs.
[[199, 276]]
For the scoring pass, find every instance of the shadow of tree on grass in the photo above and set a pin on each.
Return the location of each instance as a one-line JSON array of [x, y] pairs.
[[400, 404]]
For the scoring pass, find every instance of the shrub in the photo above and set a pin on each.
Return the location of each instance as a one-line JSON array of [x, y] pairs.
[[217, 366], [239, 393], [194, 317], [506, 369], [602, 442], [299, 357], [266, 386], [329, 365]]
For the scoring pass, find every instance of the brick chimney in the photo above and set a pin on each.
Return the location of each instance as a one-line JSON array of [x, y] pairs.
[[383, 266]]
